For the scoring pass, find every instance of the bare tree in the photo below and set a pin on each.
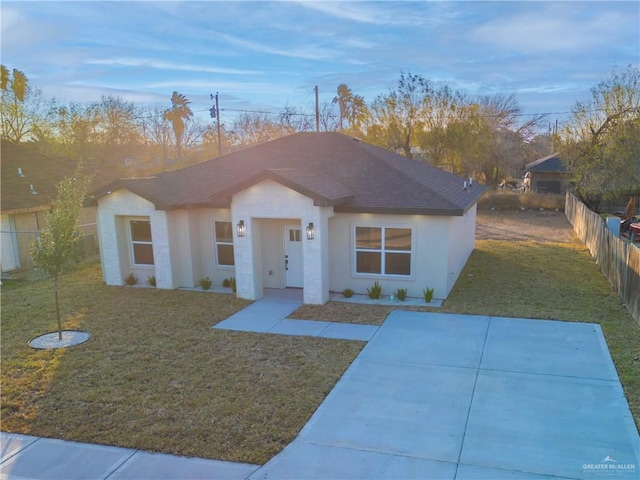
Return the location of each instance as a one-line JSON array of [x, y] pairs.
[[158, 132], [601, 141]]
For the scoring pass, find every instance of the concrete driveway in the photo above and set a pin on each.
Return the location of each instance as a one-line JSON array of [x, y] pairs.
[[442, 396]]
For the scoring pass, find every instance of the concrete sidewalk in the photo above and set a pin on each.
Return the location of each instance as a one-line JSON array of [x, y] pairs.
[[431, 396], [25, 457]]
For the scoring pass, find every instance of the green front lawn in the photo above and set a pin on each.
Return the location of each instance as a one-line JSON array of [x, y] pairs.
[[155, 376]]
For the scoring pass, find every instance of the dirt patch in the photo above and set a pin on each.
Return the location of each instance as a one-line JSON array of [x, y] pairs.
[[527, 225]]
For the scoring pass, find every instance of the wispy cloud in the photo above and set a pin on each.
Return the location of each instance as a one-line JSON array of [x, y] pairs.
[[310, 52], [160, 65], [237, 88], [380, 13], [550, 28]]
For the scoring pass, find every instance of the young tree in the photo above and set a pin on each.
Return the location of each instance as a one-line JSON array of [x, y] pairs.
[[57, 245], [600, 143]]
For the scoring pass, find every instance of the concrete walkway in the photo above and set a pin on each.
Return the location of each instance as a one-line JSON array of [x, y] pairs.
[[431, 396], [268, 315]]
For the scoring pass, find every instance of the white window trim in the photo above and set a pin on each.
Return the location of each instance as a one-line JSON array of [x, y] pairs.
[[382, 251], [216, 243], [132, 242]]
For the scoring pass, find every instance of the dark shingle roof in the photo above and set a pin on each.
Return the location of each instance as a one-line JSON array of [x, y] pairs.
[[552, 163], [329, 167], [38, 170]]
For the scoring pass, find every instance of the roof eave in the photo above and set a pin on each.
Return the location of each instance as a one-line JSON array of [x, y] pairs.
[[443, 212]]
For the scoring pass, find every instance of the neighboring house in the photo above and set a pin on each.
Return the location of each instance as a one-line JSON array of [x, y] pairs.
[[548, 174], [29, 183], [319, 211]]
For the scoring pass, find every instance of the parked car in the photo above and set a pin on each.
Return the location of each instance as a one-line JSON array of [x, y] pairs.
[[631, 228]]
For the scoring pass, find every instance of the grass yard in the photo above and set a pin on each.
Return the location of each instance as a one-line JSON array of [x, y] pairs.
[[557, 281], [154, 375]]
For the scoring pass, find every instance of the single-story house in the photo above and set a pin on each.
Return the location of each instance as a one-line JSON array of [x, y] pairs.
[[29, 184], [548, 174], [317, 211]]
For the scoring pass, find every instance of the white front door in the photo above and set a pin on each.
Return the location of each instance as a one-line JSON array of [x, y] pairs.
[[293, 256]]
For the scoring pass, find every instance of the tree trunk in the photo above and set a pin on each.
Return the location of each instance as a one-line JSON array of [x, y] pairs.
[[55, 291]]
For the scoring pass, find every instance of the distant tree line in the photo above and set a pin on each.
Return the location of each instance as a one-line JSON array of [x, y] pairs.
[[484, 137]]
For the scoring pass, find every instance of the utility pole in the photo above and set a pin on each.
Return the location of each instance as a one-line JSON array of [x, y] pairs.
[[317, 110], [215, 113]]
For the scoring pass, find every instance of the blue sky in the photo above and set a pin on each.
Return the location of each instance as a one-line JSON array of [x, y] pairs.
[[269, 54]]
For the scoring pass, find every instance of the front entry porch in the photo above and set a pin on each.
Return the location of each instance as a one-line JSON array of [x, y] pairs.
[[283, 242]]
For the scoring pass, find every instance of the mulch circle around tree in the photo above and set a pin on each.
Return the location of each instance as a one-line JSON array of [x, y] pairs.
[[51, 340]]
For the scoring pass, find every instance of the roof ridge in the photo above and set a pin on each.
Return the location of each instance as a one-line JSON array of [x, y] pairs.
[[543, 159]]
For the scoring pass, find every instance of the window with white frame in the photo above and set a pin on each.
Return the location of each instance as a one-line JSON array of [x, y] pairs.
[[383, 250], [141, 242], [224, 244]]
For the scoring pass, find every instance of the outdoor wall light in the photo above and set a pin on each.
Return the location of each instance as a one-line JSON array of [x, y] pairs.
[[311, 232], [240, 229]]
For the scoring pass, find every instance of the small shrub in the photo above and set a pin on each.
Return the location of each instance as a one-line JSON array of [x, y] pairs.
[[401, 294], [232, 284], [131, 279], [347, 293], [226, 283], [427, 293], [151, 280], [375, 292], [205, 283]]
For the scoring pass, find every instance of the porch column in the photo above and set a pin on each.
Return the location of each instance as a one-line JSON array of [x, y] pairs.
[[316, 256], [109, 248], [161, 250], [248, 282]]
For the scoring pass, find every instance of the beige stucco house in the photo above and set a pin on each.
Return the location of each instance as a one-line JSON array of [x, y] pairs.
[[317, 211]]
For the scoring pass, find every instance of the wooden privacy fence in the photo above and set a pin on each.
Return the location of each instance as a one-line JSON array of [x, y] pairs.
[[619, 260]]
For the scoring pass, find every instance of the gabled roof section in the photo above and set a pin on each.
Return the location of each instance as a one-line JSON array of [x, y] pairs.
[[331, 168], [551, 164], [24, 168], [323, 189], [145, 187]]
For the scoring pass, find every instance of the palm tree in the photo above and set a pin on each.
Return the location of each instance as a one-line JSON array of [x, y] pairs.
[[4, 77], [343, 99], [177, 115], [19, 84], [352, 107], [357, 112]]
